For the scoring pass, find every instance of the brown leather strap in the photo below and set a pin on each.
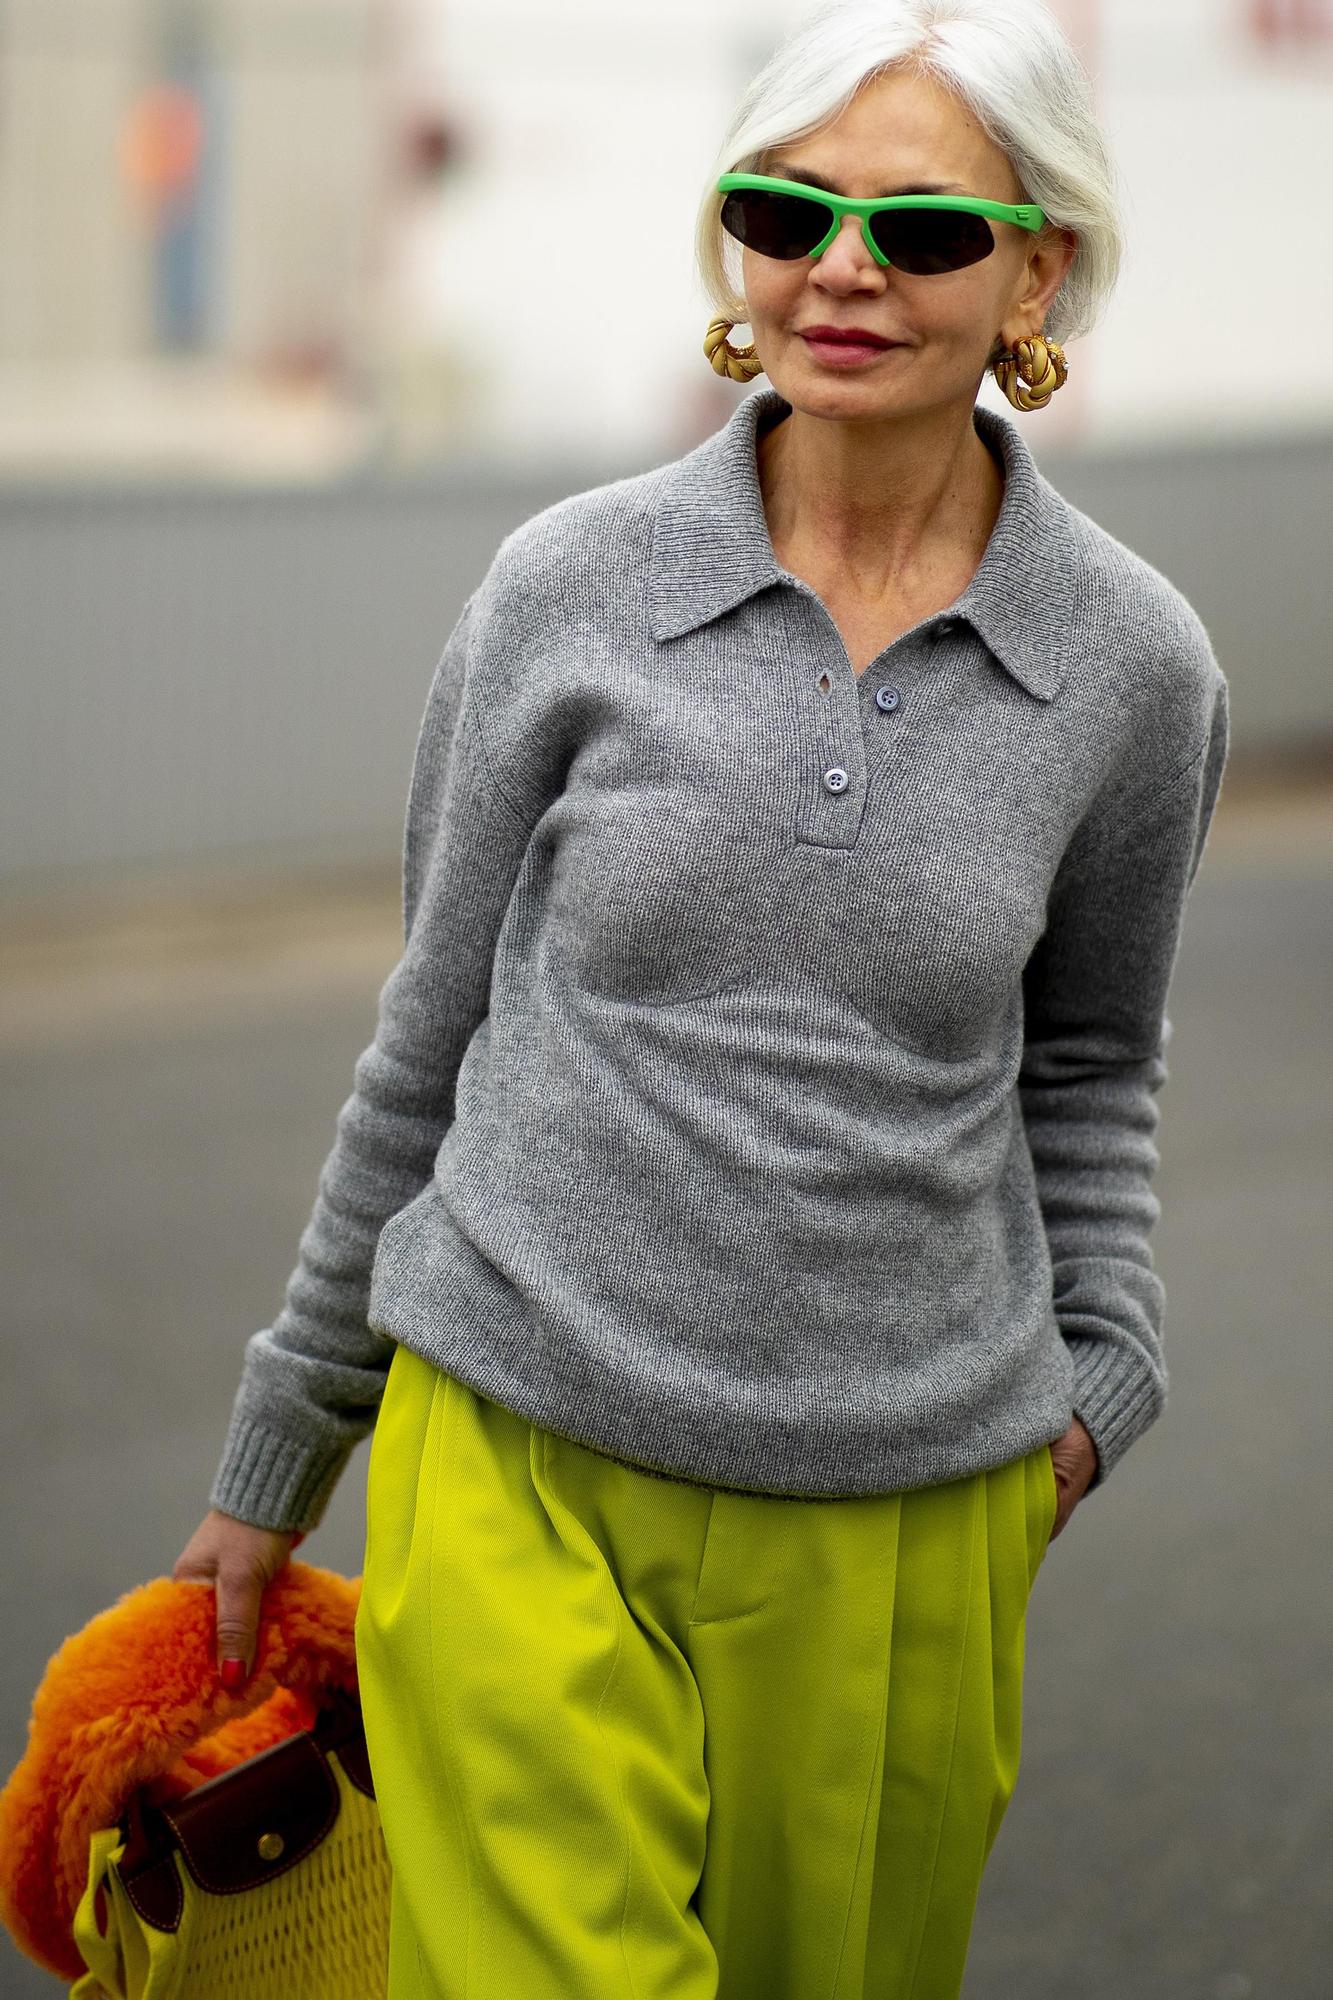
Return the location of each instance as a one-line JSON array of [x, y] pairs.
[[247, 1825]]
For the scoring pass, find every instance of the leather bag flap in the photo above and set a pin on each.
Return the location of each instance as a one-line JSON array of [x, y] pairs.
[[257, 1820]]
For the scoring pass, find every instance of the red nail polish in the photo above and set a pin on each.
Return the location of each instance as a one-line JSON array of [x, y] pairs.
[[232, 1674]]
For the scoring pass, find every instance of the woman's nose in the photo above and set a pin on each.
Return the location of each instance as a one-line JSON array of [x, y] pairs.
[[849, 247]]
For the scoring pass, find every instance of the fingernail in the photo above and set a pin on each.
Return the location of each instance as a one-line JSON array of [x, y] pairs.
[[233, 1674]]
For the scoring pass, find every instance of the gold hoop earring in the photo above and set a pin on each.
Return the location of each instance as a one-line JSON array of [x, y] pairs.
[[741, 364], [1031, 371]]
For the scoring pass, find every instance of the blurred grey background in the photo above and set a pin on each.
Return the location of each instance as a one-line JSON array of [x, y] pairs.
[[292, 330]]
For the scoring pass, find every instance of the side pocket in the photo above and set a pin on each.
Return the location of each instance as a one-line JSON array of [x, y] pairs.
[[1053, 1493], [1041, 1502], [399, 1442]]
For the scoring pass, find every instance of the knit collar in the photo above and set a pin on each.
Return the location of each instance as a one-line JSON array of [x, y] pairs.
[[712, 549]]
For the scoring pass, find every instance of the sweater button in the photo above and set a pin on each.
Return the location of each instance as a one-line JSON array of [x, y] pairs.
[[886, 697], [835, 780]]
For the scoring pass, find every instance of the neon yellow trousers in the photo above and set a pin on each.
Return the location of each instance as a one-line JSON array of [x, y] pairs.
[[636, 1739]]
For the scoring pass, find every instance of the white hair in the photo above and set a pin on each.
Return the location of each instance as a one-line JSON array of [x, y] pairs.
[[1012, 65]]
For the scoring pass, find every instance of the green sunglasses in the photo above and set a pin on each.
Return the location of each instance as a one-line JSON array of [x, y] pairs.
[[920, 233]]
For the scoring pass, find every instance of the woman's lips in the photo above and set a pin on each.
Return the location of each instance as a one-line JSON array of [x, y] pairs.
[[846, 353]]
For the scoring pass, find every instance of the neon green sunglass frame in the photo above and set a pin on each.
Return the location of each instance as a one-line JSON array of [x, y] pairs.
[[1025, 214]]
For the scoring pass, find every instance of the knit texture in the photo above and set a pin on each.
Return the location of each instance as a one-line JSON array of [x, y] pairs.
[[767, 1091]]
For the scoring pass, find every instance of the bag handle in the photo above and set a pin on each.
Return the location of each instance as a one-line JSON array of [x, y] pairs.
[[130, 1702]]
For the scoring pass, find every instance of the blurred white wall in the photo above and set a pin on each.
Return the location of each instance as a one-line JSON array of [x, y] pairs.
[[305, 142], [290, 174], [73, 280], [1221, 322], [1219, 325], [185, 659], [537, 298]]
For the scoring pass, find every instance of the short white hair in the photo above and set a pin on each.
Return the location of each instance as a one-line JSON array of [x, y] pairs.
[[1012, 65]]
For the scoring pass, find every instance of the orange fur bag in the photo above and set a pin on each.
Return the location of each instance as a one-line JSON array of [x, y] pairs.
[[161, 1836]]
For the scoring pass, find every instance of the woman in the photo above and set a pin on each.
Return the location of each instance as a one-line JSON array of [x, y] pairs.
[[761, 1113]]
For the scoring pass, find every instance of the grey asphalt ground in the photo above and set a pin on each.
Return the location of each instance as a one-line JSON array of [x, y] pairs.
[[170, 1070]]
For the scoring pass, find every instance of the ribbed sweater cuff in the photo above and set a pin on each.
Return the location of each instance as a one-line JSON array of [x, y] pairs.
[[1116, 1400], [273, 1481]]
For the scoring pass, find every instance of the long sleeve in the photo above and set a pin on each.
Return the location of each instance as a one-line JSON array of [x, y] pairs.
[[1096, 1028], [312, 1382]]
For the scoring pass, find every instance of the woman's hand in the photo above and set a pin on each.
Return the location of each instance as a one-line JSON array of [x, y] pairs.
[[240, 1561], [1074, 1456]]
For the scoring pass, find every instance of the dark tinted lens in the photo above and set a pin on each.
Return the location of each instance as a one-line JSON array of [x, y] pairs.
[[776, 225], [931, 239]]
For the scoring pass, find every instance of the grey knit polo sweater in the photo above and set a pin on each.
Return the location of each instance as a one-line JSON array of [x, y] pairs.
[[766, 1093]]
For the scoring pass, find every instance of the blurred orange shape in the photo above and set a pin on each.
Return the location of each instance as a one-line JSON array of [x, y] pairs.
[[161, 141]]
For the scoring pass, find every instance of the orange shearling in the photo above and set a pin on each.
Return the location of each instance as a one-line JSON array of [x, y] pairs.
[[133, 1700]]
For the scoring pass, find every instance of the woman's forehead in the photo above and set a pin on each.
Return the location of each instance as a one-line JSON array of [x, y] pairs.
[[902, 133]]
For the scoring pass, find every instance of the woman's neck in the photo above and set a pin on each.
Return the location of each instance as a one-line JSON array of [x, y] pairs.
[[883, 506]]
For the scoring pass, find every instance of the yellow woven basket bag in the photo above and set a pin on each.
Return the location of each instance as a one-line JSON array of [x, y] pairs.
[[163, 1839]]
